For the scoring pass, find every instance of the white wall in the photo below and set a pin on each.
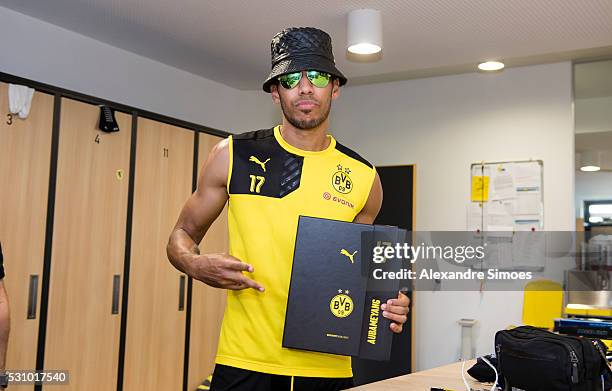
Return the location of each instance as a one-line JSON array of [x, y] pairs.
[[50, 54], [443, 125]]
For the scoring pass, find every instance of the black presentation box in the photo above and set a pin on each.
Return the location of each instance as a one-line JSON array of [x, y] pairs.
[[334, 303]]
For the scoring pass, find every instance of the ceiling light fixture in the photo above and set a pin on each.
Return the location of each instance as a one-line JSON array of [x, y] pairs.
[[491, 66], [364, 31], [589, 161]]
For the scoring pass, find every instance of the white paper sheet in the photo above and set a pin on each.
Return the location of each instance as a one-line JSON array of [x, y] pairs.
[[502, 186], [500, 216], [527, 176], [528, 203]]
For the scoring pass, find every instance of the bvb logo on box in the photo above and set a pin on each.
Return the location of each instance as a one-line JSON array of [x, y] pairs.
[[341, 305]]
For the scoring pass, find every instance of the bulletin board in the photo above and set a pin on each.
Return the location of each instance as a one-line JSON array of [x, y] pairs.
[[506, 196]]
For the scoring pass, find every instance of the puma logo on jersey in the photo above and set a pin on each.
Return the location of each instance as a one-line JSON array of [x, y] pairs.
[[349, 255], [257, 161]]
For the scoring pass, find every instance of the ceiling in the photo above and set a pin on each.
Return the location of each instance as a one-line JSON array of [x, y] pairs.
[[228, 41], [593, 141]]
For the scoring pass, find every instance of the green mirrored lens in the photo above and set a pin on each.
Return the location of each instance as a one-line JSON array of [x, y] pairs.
[[290, 80], [319, 79]]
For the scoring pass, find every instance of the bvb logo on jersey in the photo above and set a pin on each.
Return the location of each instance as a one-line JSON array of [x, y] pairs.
[[341, 305], [341, 181]]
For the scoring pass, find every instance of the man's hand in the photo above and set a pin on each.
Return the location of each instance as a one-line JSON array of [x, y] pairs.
[[222, 271], [397, 311]]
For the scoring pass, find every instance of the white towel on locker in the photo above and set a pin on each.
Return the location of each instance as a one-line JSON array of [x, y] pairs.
[[20, 100]]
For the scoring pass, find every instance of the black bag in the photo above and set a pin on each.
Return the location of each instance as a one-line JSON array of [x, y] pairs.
[[481, 371], [537, 360]]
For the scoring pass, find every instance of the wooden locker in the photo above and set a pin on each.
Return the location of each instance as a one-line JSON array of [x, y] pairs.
[[88, 248], [208, 303], [25, 153], [155, 339]]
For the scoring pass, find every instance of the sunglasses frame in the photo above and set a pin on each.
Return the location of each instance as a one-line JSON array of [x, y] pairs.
[[287, 87]]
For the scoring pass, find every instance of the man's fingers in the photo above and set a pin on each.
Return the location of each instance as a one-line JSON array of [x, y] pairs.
[[226, 271], [396, 309], [398, 306], [403, 302], [402, 298], [396, 328], [238, 265], [237, 280], [251, 283], [395, 317], [235, 286]]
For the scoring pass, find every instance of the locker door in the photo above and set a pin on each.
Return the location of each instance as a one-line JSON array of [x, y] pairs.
[[25, 152], [155, 339], [208, 303], [88, 248]]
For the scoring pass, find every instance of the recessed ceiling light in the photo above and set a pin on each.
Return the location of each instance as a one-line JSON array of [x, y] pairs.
[[491, 66]]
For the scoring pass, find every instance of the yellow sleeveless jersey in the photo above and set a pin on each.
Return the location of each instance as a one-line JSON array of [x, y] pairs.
[[270, 184]]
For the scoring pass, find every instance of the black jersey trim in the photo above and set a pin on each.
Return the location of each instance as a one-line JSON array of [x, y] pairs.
[[255, 134], [349, 152]]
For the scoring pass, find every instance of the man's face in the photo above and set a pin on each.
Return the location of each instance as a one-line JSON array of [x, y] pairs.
[[306, 106]]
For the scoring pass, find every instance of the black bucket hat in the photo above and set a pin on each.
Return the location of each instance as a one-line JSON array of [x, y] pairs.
[[301, 48]]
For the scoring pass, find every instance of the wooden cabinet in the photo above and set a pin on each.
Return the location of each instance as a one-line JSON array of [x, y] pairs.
[[208, 303], [155, 341], [84, 323], [25, 155]]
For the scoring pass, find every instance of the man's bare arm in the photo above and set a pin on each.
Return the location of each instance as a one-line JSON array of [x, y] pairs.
[[197, 215], [202, 208], [370, 210]]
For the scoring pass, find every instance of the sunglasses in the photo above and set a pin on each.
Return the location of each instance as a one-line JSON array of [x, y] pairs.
[[317, 78]]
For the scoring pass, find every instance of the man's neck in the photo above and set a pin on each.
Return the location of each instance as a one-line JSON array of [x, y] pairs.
[[314, 139]]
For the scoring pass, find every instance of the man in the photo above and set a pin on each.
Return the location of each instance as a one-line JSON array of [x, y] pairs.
[[5, 325], [270, 177]]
